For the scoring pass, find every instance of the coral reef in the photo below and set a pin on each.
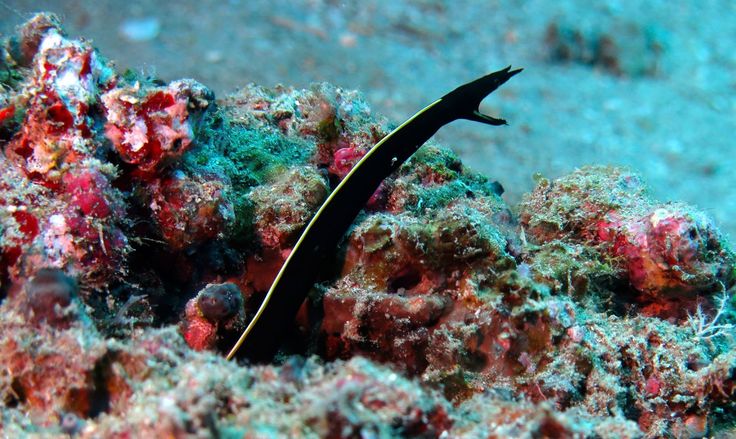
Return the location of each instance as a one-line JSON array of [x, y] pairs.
[[668, 252], [141, 223]]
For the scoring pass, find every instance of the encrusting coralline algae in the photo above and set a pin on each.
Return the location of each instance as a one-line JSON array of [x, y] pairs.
[[141, 224]]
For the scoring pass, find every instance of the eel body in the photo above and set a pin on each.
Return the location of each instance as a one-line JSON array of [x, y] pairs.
[[324, 232]]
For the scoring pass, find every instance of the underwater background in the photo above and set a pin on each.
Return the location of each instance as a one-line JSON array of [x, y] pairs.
[[570, 275], [647, 84]]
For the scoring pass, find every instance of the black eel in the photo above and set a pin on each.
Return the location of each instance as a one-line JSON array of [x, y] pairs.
[[334, 217]]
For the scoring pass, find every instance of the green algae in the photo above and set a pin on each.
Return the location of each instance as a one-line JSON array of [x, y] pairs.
[[247, 156], [9, 77], [435, 178], [571, 267]]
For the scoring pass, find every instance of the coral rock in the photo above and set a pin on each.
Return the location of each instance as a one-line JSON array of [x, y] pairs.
[[151, 127], [189, 209], [672, 250], [216, 311], [66, 81], [199, 333], [666, 250], [285, 207]]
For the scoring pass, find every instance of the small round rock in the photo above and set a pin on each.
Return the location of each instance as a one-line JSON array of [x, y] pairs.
[[48, 292], [219, 302]]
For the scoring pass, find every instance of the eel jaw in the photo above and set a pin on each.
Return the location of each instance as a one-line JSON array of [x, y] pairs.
[[477, 116], [464, 101]]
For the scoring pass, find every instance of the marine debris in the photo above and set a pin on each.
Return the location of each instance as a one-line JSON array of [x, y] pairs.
[[142, 223]]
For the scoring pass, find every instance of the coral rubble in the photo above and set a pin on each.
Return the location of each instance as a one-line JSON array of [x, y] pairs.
[[141, 224]]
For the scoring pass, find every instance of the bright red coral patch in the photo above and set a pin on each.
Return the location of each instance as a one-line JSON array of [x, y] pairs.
[[87, 193], [344, 160], [27, 224], [6, 113], [150, 129]]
